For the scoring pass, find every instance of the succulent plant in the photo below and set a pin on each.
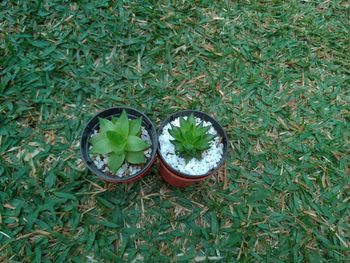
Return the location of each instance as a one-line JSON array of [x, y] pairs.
[[190, 139], [119, 138]]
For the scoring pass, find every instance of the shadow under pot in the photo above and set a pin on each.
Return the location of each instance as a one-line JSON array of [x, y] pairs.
[[191, 146], [119, 145]]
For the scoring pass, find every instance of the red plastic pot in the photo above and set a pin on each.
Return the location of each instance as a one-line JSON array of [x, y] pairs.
[[177, 178], [174, 179], [92, 124]]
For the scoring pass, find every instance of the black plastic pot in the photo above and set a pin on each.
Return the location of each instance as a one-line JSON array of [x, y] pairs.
[[92, 125], [178, 178]]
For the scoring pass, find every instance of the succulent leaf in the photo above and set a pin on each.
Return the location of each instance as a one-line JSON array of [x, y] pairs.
[[101, 144], [175, 132], [192, 120], [106, 125], [115, 138], [135, 157], [178, 146], [114, 120], [123, 125], [120, 139], [135, 126], [135, 144], [115, 161], [190, 139]]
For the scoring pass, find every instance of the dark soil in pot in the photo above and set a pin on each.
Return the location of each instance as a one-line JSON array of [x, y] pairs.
[[97, 163], [211, 160]]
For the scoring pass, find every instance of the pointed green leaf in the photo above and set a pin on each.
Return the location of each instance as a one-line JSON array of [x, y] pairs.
[[200, 130], [123, 124], [100, 144], [184, 125], [106, 125], [114, 120], [209, 137], [97, 138], [202, 145], [115, 161], [135, 144], [175, 132], [135, 157], [178, 146], [135, 126], [190, 139], [192, 120], [115, 138], [188, 146]]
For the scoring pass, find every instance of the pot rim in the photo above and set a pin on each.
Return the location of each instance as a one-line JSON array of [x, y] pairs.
[[205, 117], [91, 125]]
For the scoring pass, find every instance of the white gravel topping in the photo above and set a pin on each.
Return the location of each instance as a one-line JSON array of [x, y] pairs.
[[210, 157], [145, 136], [101, 161]]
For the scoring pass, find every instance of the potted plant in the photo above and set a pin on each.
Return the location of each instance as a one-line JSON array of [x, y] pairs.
[[192, 146], [119, 144]]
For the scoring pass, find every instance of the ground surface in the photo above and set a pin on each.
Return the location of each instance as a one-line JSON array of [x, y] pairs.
[[276, 74]]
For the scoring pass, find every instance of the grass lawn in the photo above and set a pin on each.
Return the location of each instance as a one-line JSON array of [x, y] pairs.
[[275, 73]]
